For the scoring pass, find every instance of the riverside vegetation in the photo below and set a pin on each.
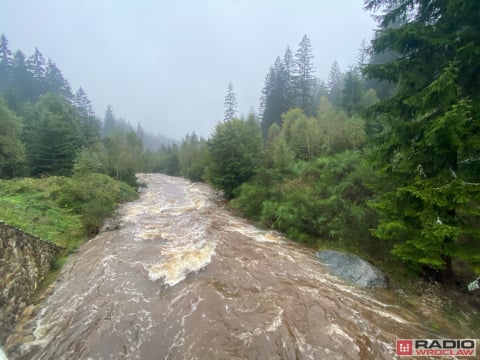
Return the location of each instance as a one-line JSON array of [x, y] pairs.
[[382, 159], [63, 210]]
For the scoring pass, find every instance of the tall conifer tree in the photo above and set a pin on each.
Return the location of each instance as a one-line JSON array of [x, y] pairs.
[[36, 65], [230, 103], [22, 81], [430, 148], [304, 78], [275, 95], [56, 83], [109, 121], [5, 63], [90, 125], [335, 84], [289, 68]]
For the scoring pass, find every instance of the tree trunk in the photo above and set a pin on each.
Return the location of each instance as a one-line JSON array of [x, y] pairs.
[[446, 275]]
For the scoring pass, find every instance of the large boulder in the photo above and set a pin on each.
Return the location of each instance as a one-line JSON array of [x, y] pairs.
[[353, 269]]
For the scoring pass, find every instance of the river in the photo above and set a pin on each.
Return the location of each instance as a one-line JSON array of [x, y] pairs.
[[182, 278]]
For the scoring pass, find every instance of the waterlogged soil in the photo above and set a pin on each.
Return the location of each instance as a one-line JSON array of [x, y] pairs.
[[182, 278]]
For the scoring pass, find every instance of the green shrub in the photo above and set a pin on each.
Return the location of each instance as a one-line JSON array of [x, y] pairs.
[[324, 199], [93, 197], [250, 199], [61, 209]]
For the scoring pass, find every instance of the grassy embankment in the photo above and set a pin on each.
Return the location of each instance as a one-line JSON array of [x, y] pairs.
[[65, 211]]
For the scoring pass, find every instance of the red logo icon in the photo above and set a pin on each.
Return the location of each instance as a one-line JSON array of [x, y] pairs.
[[404, 347]]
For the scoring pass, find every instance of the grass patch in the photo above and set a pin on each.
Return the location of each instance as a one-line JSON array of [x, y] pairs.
[[41, 217], [62, 210]]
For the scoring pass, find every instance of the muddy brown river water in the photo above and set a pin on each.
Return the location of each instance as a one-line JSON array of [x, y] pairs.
[[182, 278]]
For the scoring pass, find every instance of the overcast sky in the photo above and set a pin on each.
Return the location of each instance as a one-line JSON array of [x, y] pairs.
[[167, 64]]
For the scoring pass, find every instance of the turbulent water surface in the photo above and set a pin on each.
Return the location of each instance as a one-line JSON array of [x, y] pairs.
[[181, 278]]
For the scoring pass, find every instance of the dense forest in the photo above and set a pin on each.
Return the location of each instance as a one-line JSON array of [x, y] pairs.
[[49, 130], [69, 168], [382, 158]]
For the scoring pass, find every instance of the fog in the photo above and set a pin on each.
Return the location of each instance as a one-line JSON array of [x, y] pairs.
[[167, 64]]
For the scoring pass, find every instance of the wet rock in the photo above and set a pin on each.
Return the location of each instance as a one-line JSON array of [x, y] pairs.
[[353, 269], [111, 224]]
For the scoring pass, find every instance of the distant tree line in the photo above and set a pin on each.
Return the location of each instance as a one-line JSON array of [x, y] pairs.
[[46, 129]]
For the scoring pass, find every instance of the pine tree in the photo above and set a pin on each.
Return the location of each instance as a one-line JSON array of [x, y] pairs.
[[304, 78], [430, 147], [230, 103]]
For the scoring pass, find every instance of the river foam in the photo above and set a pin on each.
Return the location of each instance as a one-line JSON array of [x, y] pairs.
[[182, 278]]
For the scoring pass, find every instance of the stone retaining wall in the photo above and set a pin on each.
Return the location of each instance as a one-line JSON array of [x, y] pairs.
[[25, 261]]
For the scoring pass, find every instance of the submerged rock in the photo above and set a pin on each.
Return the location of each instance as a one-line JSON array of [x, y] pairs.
[[353, 269]]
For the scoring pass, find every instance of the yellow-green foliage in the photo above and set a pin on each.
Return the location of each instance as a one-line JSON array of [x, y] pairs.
[[60, 209]]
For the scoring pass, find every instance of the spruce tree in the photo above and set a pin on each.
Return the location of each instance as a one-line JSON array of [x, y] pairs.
[[56, 83], [230, 103], [335, 84], [430, 148], [83, 103], [90, 125], [275, 96], [52, 136], [109, 121], [37, 67], [22, 81], [5, 63], [352, 92], [140, 131], [304, 78], [289, 69]]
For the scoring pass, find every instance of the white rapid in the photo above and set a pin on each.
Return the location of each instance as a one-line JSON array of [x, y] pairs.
[[182, 278]]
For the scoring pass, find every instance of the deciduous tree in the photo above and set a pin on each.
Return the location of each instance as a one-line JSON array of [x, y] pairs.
[[12, 150]]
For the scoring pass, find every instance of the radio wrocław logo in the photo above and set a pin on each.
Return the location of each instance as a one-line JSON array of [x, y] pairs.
[[436, 347]]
